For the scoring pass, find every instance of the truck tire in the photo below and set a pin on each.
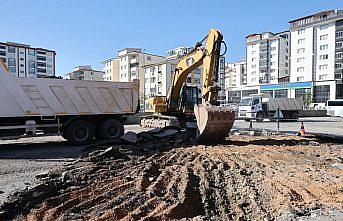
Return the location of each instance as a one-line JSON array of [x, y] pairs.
[[259, 117], [79, 132], [110, 129]]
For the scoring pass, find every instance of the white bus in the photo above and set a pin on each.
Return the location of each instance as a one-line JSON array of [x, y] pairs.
[[335, 107]]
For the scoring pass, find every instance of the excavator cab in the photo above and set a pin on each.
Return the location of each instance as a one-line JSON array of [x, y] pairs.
[[189, 97]]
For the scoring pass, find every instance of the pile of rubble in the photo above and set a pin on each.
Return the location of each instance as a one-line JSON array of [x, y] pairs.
[[163, 175]]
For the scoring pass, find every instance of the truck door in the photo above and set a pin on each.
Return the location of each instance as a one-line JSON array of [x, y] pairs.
[[256, 104]]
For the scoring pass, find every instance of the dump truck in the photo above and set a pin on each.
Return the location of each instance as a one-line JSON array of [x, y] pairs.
[[263, 106], [79, 111]]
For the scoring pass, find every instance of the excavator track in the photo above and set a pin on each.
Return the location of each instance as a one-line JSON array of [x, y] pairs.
[[214, 123], [158, 121]]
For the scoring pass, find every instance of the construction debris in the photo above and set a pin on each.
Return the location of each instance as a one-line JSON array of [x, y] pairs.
[[168, 177]]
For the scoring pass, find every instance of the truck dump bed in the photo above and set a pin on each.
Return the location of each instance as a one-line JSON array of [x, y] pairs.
[[23, 97], [289, 104]]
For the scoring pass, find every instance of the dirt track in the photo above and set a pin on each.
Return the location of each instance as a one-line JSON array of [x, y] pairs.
[[249, 178]]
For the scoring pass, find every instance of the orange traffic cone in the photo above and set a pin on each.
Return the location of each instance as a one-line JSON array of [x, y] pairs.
[[302, 129]]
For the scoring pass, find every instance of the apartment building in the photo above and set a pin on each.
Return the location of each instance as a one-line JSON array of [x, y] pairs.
[[26, 61], [158, 77], [235, 80], [85, 73], [267, 57], [111, 69], [316, 56], [131, 62]]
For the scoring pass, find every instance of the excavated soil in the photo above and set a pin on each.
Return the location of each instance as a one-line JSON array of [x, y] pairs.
[[246, 178]]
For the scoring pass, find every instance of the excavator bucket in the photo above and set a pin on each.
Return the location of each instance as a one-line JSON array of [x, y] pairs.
[[214, 123]]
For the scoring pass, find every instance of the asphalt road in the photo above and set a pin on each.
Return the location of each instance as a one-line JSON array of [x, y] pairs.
[[323, 125]]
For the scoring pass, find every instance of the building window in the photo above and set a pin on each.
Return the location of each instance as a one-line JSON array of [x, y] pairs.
[[339, 45], [302, 93], [41, 70], [41, 64], [323, 67], [339, 91], [301, 31], [11, 62], [273, 48], [281, 93], [301, 78], [323, 37], [11, 49], [32, 52], [301, 60], [148, 58], [41, 52], [339, 34], [324, 27], [2, 53], [321, 93], [301, 50], [323, 77], [300, 69], [246, 93], [338, 54], [323, 57], [338, 65], [41, 58], [323, 47], [301, 41], [253, 66]]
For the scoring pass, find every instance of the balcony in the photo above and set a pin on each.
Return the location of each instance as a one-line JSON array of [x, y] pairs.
[[133, 61]]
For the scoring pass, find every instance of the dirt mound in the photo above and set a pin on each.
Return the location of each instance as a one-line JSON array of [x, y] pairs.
[[239, 180]]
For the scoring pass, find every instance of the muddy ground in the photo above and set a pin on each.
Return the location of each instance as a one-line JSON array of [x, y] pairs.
[[275, 177]]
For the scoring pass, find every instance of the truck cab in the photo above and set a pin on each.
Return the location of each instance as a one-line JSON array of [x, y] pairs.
[[250, 106]]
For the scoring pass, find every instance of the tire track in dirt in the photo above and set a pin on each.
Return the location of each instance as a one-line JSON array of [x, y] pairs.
[[224, 182]]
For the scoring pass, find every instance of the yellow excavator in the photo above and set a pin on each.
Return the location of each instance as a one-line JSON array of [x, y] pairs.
[[183, 103]]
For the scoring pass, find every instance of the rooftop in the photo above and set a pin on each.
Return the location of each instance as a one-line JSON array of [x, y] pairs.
[[15, 44]]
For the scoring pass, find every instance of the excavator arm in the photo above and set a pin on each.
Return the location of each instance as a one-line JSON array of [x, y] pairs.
[[208, 57]]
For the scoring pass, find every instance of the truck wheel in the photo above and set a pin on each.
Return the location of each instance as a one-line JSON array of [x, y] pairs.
[[111, 129], [259, 117], [79, 132]]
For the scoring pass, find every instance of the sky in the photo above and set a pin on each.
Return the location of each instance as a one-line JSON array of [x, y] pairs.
[[86, 32]]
